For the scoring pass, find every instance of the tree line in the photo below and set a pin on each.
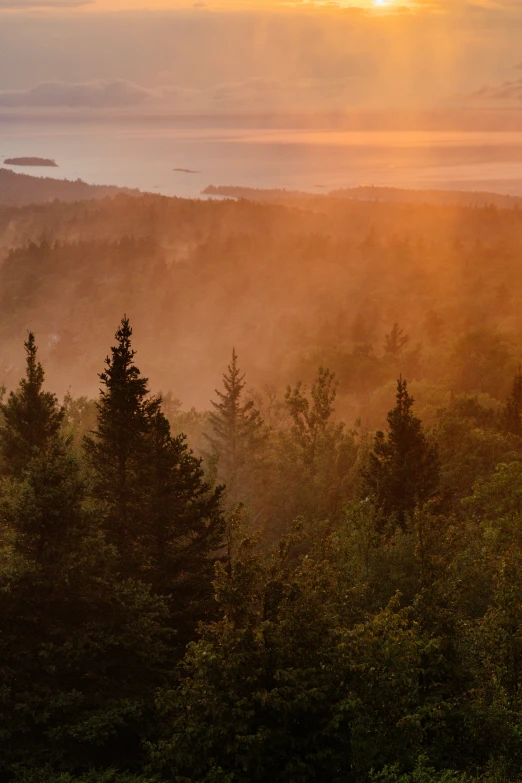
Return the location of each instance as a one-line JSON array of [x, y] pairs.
[[304, 603]]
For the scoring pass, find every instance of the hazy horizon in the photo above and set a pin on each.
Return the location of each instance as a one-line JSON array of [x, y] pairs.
[[183, 160]]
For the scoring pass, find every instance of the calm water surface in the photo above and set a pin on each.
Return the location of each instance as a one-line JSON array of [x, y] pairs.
[[313, 160]]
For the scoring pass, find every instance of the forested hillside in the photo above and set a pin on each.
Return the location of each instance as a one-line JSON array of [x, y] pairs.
[[289, 286], [18, 189], [301, 562]]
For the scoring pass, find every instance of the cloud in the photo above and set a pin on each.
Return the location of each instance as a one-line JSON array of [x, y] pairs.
[[250, 95], [314, 60], [497, 96], [102, 93]]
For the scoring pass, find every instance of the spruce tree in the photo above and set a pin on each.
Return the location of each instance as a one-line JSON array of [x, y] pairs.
[[31, 417], [184, 528], [118, 451], [159, 513], [82, 651], [238, 429], [403, 469]]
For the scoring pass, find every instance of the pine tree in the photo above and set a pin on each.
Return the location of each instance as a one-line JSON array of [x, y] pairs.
[[119, 449], [238, 429], [31, 417], [512, 410], [45, 508], [184, 529], [82, 651], [160, 514], [403, 470]]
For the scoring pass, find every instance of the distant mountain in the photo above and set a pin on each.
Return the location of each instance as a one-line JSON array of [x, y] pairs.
[[23, 189]]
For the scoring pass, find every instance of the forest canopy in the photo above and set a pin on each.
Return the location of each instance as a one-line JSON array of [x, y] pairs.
[[303, 560]]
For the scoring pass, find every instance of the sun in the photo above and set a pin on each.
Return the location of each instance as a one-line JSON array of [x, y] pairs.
[[382, 2]]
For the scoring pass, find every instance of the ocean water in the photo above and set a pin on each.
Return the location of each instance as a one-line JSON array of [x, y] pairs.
[[146, 157]]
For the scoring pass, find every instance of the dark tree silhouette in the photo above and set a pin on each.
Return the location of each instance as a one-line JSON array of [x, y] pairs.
[[403, 469], [31, 417], [512, 410], [395, 341]]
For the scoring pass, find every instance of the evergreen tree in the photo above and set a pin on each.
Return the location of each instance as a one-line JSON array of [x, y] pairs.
[[184, 528], [160, 514], [119, 450], [312, 418], [313, 458], [512, 410], [31, 417], [238, 429], [82, 651], [403, 470], [395, 341]]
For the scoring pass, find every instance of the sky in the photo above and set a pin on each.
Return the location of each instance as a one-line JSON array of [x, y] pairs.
[[259, 56]]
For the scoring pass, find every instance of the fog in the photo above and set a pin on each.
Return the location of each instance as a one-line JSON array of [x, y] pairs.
[[292, 285], [260, 391]]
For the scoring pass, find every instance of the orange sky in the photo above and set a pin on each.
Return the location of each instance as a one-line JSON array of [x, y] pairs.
[[374, 5], [210, 56]]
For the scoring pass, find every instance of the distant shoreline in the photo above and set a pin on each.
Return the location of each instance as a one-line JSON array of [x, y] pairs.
[[433, 196], [31, 162]]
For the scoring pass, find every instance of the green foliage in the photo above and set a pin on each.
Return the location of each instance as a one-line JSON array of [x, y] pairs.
[[482, 360], [238, 433], [422, 773], [118, 452], [281, 688], [470, 444], [96, 776], [315, 457], [312, 425], [80, 416], [403, 469], [512, 412], [184, 528], [82, 652], [30, 417], [379, 641], [159, 513]]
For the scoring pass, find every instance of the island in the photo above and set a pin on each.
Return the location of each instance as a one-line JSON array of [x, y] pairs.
[[187, 171], [30, 162]]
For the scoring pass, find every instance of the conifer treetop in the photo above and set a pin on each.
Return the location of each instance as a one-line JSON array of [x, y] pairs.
[[403, 469], [31, 416], [237, 427], [120, 368]]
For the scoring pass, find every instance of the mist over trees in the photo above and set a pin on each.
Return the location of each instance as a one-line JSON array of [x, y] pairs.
[[292, 286], [303, 560]]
